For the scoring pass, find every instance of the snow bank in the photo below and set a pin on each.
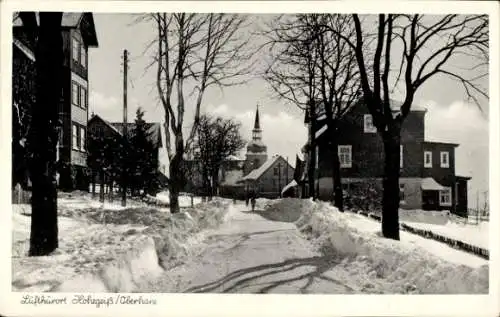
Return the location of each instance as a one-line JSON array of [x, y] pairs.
[[184, 199], [382, 265], [174, 238], [91, 257], [424, 216], [108, 250]]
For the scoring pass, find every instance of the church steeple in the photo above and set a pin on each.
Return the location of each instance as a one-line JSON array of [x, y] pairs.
[[257, 132], [256, 149]]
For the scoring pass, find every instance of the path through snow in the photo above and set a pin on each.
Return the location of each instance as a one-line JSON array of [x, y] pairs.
[[250, 254]]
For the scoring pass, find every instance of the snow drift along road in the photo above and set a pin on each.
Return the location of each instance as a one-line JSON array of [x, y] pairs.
[[108, 250], [395, 267]]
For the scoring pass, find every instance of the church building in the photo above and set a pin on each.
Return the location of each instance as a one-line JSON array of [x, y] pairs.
[[256, 173], [264, 176], [256, 149]]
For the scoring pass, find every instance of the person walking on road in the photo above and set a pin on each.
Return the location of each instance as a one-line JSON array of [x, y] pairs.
[[253, 202]]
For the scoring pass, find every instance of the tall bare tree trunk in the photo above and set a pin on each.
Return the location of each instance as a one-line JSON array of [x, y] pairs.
[[93, 182], [390, 198], [312, 151], [176, 173], [43, 136], [338, 195], [101, 186], [111, 189]]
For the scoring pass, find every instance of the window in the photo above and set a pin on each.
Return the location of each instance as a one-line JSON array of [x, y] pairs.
[[402, 193], [82, 138], [369, 127], [83, 56], [345, 156], [83, 98], [445, 159], [79, 54], [79, 96], [76, 50], [427, 159], [79, 136], [276, 171], [76, 138], [400, 156], [445, 197], [75, 93]]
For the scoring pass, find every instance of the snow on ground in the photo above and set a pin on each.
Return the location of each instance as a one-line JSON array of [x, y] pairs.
[[83, 248], [184, 199], [92, 236], [476, 235], [412, 265], [424, 216]]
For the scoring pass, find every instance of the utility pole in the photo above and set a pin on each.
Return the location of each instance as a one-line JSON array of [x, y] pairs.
[[279, 178], [286, 171], [124, 172]]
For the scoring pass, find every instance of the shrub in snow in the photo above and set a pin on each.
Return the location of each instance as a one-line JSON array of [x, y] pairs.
[[364, 196]]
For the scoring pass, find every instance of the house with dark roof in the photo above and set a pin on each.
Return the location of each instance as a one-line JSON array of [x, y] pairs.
[[79, 34], [103, 128], [97, 126], [427, 168]]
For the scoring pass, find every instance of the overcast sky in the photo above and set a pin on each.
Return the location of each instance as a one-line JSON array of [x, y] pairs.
[[450, 117]]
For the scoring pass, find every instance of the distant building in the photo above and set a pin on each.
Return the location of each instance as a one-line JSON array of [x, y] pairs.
[[79, 35], [256, 173], [99, 127], [427, 169], [263, 176], [269, 179], [256, 149]]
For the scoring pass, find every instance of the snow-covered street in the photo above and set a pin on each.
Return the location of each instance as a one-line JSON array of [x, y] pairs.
[[284, 246], [250, 254], [296, 246]]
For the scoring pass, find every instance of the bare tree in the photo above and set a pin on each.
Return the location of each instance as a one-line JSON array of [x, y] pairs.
[[409, 50], [195, 51], [43, 133], [339, 82], [217, 139], [292, 75], [332, 85]]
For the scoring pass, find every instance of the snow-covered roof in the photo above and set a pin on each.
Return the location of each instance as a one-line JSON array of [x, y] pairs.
[[320, 131], [153, 129], [234, 158], [293, 183], [232, 177], [440, 142], [256, 173], [430, 184], [23, 48], [396, 106]]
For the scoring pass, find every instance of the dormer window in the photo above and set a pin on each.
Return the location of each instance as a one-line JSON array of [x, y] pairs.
[[79, 53], [445, 159], [368, 124]]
